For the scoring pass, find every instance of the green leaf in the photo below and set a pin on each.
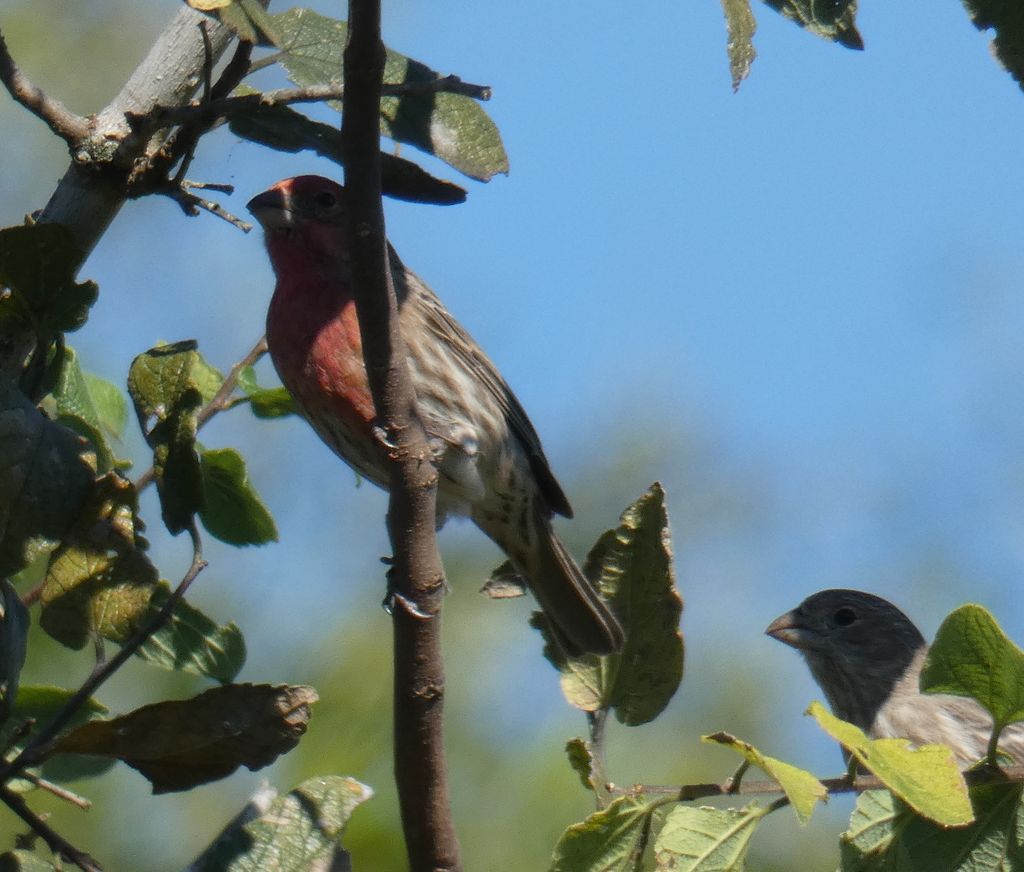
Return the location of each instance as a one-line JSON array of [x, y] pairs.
[[38, 263], [452, 127], [926, 778], [741, 25], [99, 581], [272, 403], [167, 385], [191, 642], [632, 568], [92, 407], [14, 624], [706, 839], [284, 129], [293, 833], [179, 744], [831, 19], [607, 839], [1007, 18], [802, 788], [265, 402], [972, 656], [233, 511], [45, 479], [582, 760], [110, 404], [885, 834]]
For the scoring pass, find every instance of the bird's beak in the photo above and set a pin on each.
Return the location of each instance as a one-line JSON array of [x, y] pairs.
[[789, 630], [272, 208]]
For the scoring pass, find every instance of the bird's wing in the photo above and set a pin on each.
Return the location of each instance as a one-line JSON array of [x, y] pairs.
[[440, 322]]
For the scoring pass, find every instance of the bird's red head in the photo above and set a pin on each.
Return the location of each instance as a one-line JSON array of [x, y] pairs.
[[302, 218]]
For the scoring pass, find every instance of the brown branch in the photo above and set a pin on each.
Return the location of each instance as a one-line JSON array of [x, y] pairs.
[[840, 784], [224, 107], [66, 124], [60, 846], [416, 577]]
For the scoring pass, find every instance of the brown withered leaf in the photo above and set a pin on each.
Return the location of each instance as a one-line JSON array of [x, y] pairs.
[[183, 743]]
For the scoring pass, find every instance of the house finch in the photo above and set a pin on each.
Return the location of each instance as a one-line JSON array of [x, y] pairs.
[[490, 464], [867, 656]]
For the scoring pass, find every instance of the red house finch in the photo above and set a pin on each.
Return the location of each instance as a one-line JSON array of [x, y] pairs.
[[866, 656], [489, 459]]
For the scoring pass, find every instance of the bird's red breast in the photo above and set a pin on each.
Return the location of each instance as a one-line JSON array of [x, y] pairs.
[[313, 334]]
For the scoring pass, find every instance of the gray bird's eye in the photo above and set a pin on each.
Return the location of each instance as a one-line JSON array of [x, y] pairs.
[[326, 199], [844, 616]]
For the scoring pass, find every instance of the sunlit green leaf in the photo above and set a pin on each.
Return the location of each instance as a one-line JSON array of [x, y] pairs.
[[706, 839], [297, 832], [926, 778], [741, 26], [168, 384], [100, 580], [972, 656], [802, 788], [608, 839]]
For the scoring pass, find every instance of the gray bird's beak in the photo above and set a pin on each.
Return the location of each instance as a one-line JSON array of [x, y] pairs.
[[788, 630], [271, 208]]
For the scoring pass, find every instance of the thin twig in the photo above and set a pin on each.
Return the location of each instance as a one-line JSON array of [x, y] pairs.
[[66, 124], [54, 840], [191, 204], [220, 400], [39, 744], [840, 784], [57, 790], [213, 110]]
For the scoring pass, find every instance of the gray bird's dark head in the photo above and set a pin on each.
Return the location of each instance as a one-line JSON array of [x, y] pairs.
[[857, 646]]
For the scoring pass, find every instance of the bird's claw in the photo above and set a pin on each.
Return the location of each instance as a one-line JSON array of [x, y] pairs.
[[395, 598], [381, 436]]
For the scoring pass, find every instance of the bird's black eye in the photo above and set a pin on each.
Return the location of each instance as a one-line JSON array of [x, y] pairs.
[[844, 616], [326, 199]]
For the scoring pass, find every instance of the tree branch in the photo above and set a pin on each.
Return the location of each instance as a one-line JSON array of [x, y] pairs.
[[60, 846], [225, 107], [840, 784], [61, 120], [416, 578]]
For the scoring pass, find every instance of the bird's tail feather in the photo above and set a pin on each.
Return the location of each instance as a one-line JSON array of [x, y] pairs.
[[581, 619]]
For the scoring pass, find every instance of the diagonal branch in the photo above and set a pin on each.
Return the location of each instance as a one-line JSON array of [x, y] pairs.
[[225, 107], [416, 577], [66, 124], [60, 846]]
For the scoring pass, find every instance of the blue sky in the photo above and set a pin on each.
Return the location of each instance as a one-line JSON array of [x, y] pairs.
[[816, 280]]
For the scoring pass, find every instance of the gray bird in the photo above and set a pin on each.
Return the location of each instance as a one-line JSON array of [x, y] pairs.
[[866, 655]]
